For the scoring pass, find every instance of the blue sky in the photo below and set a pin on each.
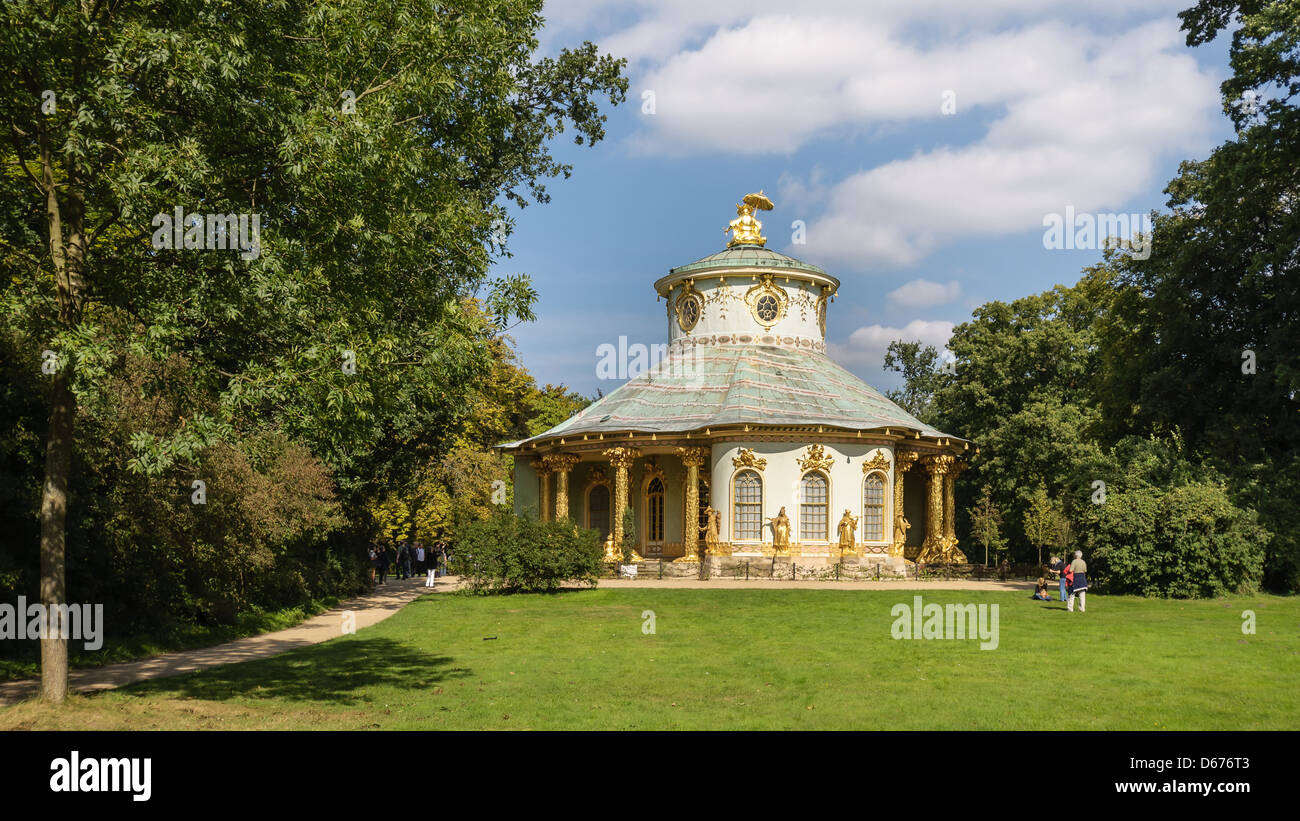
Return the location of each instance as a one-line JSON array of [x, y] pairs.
[[836, 111]]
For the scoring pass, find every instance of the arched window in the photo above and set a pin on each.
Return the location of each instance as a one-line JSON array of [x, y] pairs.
[[813, 514], [598, 509], [654, 510], [873, 508], [747, 520]]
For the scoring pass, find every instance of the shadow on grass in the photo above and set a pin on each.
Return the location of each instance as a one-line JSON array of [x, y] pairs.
[[339, 672]]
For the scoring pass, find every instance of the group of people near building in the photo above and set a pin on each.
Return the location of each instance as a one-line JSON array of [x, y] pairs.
[[1073, 580], [406, 559]]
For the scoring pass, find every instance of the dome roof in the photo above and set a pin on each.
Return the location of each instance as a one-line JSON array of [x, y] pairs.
[[712, 386], [746, 256]]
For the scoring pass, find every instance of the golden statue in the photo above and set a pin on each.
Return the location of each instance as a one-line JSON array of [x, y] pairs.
[[745, 229], [848, 528], [901, 526], [780, 530], [713, 529]]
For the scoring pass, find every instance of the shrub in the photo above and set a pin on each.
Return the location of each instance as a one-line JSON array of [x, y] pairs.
[[517, 554], [1190, 541]]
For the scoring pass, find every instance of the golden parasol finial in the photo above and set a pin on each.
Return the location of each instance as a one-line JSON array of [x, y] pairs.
[[745, 229]]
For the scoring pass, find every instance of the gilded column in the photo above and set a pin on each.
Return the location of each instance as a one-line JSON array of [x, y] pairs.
[[951, 552], [693, 459], [562, 464], [621, 460], [937, 467], [543, 468], [903, 461]]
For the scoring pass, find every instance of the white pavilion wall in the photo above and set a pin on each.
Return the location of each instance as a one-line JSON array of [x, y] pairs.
[[781, 486]]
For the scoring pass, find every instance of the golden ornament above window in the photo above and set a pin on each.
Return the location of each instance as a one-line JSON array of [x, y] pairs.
[[766, 302]]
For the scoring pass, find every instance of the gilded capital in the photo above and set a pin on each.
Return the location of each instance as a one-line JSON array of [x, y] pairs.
[[904, 459], [939, 464], [562, 462], [693, 457], [622, 457], [543, 466]]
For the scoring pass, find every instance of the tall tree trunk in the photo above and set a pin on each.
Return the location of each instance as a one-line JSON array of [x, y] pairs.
[[54, 517], [68, 266]]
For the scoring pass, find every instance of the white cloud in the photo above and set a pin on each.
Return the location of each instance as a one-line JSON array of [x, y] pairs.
[[922, 293], [866, 346], [1077, 115]]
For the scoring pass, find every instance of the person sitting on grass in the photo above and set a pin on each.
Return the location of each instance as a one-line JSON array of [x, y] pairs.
[[1040, 593]]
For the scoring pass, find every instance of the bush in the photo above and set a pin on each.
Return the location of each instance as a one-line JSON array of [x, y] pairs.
[[1186, 542], [518, 554]]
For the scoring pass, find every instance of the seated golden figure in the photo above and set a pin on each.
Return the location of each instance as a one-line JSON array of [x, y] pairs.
[[746, 230]]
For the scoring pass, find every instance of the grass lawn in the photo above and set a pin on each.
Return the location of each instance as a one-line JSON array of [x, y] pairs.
[[743, 659], [26, 663]]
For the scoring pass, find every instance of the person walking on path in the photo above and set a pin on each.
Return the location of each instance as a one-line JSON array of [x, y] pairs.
[[431, 571], [1078, 584], [383, 563]]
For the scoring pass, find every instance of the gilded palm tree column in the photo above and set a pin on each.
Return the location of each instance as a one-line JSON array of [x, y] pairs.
[[543, 468], [562, 464], [950, 513], [937, 467], [693, 459], [621, 460], [903, 461]]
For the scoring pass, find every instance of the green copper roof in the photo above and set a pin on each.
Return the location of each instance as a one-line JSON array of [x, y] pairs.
[[746, 256], [737, 384]]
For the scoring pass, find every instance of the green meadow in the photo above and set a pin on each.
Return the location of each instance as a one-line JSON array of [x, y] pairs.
[[743, 659]]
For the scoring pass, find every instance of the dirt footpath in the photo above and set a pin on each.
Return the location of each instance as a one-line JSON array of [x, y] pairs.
[[366, 610]]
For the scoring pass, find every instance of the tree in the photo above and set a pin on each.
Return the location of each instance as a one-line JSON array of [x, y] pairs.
[[922, 376], [1024, 391], [1042, 520], [364, 147], [1209, 330], [1063, 532], [986, 521]]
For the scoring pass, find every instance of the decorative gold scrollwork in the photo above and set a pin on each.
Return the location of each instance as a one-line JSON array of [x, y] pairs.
[[747, 459], [878, 462], [815, 459]]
